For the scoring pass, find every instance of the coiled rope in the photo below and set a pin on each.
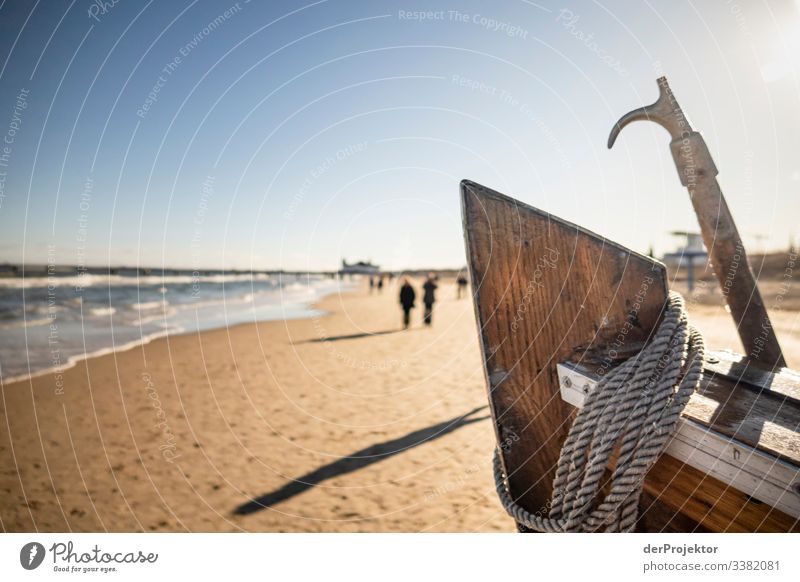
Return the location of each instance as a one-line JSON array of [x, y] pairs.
[[635, 408]]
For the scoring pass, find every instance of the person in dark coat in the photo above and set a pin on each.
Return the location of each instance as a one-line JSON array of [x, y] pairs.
[[429, 298], [462, 285], [407, 298]]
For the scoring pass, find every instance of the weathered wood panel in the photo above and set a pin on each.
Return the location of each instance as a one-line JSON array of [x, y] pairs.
[[547, 291], [711, 503], [746, 439], [780, 383]]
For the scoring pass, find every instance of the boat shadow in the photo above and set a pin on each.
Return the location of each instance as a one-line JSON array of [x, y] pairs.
[[359, 460]]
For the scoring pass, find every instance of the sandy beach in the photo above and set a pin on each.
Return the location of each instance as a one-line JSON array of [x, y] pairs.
[[340, 422], [335, 423]]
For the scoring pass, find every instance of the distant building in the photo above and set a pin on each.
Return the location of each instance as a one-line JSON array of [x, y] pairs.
[[693, 252], [359, 268]]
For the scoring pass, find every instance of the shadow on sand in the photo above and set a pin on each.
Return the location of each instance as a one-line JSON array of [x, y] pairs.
[[359, 460], [337, 338]]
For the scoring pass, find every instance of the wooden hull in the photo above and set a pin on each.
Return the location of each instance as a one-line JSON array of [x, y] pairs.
[[549, 292]]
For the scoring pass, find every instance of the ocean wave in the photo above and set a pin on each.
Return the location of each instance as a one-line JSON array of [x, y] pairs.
[[148, 305], [83, 281], [45, 308], [159, 317], [103, 311], [25, 323], [153, 316], [72, 361]]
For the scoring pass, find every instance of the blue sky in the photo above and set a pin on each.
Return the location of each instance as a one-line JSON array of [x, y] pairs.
[[291, 134]]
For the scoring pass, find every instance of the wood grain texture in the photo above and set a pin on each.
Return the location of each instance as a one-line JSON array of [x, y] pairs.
[[548, 291], [701, 499], [737, 447], [779, 383], [726, 402], [755, 418]]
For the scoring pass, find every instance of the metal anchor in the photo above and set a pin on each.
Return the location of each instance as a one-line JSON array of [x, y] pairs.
[[697, 173]]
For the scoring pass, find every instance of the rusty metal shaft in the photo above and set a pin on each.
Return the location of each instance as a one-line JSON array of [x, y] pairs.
[[698, 173]]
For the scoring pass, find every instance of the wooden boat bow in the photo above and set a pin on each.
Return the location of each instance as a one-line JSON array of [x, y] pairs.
[[550, 293]]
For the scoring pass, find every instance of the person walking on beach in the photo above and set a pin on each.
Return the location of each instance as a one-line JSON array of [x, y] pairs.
[[371, 284], [462, 285], [380, 284], [407, 298], [429, 298]]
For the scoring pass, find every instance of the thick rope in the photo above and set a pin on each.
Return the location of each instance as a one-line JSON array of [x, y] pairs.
[[635, 409]]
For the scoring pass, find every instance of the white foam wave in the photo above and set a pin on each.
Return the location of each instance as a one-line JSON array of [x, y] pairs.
[[25, 323], [82, 281], [147, 305], [73, 360], [103, 311]]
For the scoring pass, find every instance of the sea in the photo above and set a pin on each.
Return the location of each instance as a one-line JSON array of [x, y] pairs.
[[51, 320]]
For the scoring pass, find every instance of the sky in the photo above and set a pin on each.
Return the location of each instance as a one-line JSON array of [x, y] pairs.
[[248, 135]]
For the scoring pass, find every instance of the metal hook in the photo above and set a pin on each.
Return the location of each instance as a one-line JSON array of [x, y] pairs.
[[665, 111], [697, 173]]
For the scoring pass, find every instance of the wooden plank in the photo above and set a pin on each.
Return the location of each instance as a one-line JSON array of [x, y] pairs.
[[714, 505], [780, 383], [739, 465], [756, 418], [547, 291]]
